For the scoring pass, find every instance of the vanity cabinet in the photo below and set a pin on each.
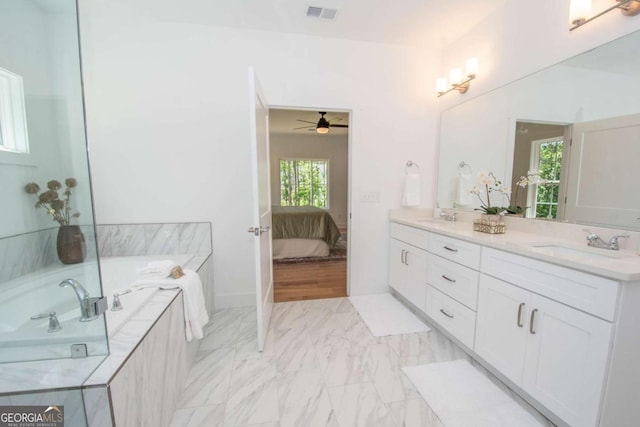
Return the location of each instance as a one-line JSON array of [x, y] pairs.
[[556, 353], [408, 263], [452, 289]]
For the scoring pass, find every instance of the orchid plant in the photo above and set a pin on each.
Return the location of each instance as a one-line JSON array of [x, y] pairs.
[[487, 184], [532, 178]]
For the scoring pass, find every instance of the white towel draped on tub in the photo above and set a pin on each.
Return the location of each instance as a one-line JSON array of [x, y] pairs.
[[411, 194], [157, 269], [195, 312]]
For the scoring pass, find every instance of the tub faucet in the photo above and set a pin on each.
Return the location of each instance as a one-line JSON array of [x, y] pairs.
[[87, 307]]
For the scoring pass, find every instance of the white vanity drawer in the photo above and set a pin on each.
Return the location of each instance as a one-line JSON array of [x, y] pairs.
[[413, 236], [455, 280], [589, 293], [462, 252], [457, 319]]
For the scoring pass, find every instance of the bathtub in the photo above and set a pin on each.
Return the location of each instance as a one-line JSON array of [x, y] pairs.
[[24, 339], [117, 274]]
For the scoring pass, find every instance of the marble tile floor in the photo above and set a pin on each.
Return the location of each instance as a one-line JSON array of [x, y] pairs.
[[321, 367]]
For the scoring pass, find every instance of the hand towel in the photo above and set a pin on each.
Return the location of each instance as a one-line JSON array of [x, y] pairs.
[[157, 269], [464, 185], [195, 312], [411, 194]]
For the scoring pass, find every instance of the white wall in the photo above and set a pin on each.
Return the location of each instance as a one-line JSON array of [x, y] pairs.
[[523, 37], [333, 148], [168, 117]]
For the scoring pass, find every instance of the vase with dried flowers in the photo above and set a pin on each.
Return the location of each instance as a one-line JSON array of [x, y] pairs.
[[70, 243]]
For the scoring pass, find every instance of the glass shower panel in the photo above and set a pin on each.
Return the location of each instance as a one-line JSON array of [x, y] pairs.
[[49, 277]]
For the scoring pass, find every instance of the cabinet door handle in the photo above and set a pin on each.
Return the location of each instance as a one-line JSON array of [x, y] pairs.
[[450, 249], [402, 256], [448, 279], [446, 314], [519, 319], [406, 260], [533, 315]]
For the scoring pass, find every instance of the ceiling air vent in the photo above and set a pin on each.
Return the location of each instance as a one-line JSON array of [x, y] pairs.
[[322, 13]]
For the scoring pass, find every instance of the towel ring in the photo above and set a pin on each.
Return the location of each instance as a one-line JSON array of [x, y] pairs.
[[463, 165], [409, 165]]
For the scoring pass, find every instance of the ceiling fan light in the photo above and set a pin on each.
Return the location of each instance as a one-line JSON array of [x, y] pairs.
[[323, 125]]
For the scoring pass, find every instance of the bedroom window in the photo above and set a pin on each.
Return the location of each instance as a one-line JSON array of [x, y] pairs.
[[304, 182]]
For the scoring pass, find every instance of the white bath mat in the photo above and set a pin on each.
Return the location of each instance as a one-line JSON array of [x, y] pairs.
[[385, 315], [462, 396]]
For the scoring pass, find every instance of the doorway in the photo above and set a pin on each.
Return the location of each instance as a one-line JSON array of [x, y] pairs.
[[310, 167]]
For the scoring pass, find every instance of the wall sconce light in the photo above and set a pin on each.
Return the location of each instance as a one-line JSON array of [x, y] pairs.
[[580, 10], [455, 81]]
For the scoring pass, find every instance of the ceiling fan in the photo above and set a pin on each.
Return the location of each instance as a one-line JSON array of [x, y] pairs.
[[323, 124]]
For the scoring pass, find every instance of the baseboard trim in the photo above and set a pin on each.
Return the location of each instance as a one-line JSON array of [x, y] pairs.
[[234, 300]]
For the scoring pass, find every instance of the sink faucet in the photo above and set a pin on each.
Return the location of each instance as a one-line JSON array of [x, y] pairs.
[[87, 311], [448, 216], [597, 242]]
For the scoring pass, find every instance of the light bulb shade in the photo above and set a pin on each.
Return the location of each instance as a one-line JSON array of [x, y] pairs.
[[323, 125], [455, 76], [579, 11], [471, 67], [441, 85]]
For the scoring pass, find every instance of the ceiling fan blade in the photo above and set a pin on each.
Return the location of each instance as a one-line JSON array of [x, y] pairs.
[[305, 127], [306, 121], [339, 126], [334, 119]]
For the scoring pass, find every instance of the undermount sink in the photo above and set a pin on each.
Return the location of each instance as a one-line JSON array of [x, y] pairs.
[[580, 254], [431, 221]]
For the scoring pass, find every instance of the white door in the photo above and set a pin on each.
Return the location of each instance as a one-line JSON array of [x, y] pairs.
[[501, 337], [566, 360], [595, 194], [259, 114]]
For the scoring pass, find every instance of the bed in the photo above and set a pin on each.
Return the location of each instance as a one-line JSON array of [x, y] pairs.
[[302, 231]]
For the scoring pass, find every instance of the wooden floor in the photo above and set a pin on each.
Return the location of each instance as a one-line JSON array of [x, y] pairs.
[[302, 281]]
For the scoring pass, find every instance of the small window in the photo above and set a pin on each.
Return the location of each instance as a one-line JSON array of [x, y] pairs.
[[304, 182], [546, 158], [13, 122]]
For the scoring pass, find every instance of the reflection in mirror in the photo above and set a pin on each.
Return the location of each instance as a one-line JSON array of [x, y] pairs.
[[42, 242], [603, 83], [538, 152]]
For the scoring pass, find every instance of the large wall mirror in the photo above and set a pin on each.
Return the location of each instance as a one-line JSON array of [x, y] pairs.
[[577, 122]]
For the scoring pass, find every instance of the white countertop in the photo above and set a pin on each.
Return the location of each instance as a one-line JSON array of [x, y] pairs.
[[623, 265]]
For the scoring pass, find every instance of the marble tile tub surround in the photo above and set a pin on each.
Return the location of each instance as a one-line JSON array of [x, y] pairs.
[[97, 370], [321, 367], [154, 239], [522, 232], [25, 253]]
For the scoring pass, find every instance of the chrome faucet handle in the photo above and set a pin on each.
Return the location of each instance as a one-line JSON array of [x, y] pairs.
[[54, 324], [613, 242], [594, 239], [116, 305]]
